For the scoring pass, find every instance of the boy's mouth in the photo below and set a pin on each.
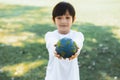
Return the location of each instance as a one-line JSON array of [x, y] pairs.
[[63, 25]]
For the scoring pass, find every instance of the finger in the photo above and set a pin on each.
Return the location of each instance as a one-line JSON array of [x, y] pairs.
[[76, 55], [71, 58], [58, 56], [55, 45], [55, 53]]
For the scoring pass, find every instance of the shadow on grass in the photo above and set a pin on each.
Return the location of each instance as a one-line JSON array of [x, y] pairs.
[[99, 58], [22, 62], [32, 53], [29, 61], [99, 55], [9, 11], [39, 29]]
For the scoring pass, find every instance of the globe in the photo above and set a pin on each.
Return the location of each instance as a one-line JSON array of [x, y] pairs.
[[66, 47]]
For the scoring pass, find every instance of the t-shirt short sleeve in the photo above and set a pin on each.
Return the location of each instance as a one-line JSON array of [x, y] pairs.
[[79, 39]]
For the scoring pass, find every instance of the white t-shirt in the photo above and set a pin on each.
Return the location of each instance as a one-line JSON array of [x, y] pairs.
[[62, 69]]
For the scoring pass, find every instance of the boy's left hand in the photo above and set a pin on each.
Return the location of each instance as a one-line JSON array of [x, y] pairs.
[[73, 56]]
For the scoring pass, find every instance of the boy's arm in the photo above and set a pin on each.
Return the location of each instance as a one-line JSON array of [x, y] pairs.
[[79, 41]]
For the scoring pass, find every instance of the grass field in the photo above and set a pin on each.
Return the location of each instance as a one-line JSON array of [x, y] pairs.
[[23, 55]]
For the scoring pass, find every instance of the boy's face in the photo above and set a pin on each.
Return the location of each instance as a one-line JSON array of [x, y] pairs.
[[64, 23]]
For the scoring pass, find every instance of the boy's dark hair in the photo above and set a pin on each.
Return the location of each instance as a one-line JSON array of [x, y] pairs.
[[61, 8]]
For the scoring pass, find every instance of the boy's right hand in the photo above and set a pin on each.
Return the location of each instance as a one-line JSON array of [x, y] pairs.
[[57, 55]]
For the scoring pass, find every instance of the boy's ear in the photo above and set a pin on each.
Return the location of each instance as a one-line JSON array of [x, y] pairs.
[[74, 19], [53, 20]]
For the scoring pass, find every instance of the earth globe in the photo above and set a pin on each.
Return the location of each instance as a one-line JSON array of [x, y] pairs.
[[66, 47]]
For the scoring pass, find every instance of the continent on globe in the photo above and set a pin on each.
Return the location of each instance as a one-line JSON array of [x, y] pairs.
[[66, 47]]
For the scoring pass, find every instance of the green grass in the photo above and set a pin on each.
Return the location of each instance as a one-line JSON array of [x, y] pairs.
[[99, 59], [23, 55]]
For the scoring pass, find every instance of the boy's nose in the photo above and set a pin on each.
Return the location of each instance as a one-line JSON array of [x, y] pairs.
[[63, 20]]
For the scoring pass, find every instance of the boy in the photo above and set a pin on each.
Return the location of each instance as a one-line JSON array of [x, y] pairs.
[[58, 68]]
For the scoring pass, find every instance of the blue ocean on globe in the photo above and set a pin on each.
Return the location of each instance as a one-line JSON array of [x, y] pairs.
[[66, 47]]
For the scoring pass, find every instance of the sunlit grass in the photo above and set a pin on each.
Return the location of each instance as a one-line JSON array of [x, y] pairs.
[[117, 33], [105, 76], [24, 14], [21, 69], [99, 12], [17, 39]]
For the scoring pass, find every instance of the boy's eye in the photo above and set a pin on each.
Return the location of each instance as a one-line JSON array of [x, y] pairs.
[[58, 17], [67, 17]]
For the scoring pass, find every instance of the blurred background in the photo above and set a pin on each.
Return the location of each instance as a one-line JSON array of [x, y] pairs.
[[23, 24]]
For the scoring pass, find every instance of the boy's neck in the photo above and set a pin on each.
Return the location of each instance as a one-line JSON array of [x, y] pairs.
[[64, 32]]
